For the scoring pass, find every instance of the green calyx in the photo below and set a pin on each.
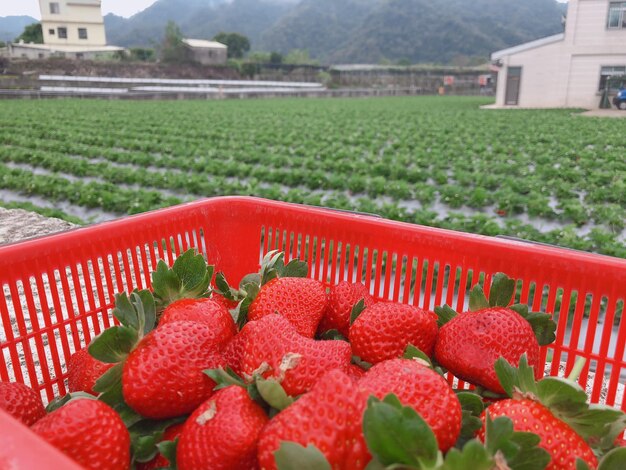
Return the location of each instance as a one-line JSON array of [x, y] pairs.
[[500, 295], [145, 438], [598, 425], [272, 266], [293, 456], [188, 278]]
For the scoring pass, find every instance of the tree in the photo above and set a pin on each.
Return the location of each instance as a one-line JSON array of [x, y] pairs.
[[3, 44], [172, 49], [32, 33], [237, 44], [276, 58], [299, 57]]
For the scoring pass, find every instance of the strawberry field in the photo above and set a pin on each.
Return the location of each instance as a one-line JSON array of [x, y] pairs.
[[548, 176]]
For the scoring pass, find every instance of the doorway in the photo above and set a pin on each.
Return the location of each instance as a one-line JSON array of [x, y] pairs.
[[513, 79]]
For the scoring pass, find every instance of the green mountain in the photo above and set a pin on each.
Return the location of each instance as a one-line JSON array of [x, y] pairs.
[[12, 26], [352, 31]]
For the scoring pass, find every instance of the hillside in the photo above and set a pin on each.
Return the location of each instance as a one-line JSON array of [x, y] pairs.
[[12, 26], [365, 31]]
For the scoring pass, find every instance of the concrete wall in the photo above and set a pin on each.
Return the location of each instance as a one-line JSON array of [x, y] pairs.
[[73, 14], [24, 52], [207, 56], [567, 73]]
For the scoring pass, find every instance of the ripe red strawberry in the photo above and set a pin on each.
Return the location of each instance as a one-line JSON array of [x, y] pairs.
[[223, 301], [89, 432], [160, 461], [341, 299], [274, 349], [384, 330], [329, 417], [206, 311], [162, 376], [470, 344], [222, 433], [233, 352], [302, 301], [562, 443], [83, 371], [421, 388], [21, 402], [355, 372]]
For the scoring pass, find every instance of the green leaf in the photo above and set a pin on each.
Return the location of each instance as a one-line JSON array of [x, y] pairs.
[[252, 278], [165, 284], [114, 344], [477, 300], [396, 434], [559, 392], [273, 393], [502, 289], [473, 456], [251, 290], [225, 378], [357, 309], [512, 379], [224, 289], [581, 464], [65, 399], [471, 402], [411, 352], [293, 456], [124, 311], [146, 434], [361, 363], [295, 268], [168, 450], [444, 315], [614, 460], [271, 266], [145, 306], [542, 324], [193, 272]]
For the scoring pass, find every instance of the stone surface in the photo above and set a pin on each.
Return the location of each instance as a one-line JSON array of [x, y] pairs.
[[18, 224]]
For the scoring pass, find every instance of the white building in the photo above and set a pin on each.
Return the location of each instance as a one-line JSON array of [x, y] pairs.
[[71, 28], [206, 52], [568, 69]]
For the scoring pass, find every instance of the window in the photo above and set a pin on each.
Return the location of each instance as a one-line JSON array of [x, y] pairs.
[[51, 32], [54, 8], [82, 33], [62, 33], [617, 15], [610, 71]]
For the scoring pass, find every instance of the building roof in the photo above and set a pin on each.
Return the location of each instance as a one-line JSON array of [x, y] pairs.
[[527, 46], [63, 48], [204, 44]]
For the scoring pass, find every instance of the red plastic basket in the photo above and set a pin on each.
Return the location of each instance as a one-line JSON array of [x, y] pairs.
[[71, 279]]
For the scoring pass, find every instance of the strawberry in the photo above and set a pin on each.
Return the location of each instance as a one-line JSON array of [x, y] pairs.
[[302, 301], [222, 433], [160, 461], [83, 370], [162, 377], [421, 388], [355, 372], [556, 410], [21, 402], [273, 348], [205, 311], [228, 304], [89, 432], [562, 443], [384, 330], [469, 344], [328, 417], [341, 300], [233, 352]]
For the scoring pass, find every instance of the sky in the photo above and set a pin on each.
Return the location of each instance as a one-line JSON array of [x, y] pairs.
[[31, 7], [119, 7]]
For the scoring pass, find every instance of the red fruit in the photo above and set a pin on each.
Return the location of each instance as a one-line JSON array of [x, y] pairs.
[[21, 402], [470, 344], [83, 371], [329, 417], [302, 301], [355, 372], [341, 299], [162, 376], [206, 311], [274, 349], [384, 330], [233, 352], [222, 433], [422, 389], [562, 443], [89, 432], [159, 461]]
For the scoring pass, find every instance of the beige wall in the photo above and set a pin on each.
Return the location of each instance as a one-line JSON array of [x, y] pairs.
[[73, 14], [567, 73], [206, 56]]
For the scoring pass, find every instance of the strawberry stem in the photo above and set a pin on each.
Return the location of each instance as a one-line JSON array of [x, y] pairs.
[[577, 369]]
